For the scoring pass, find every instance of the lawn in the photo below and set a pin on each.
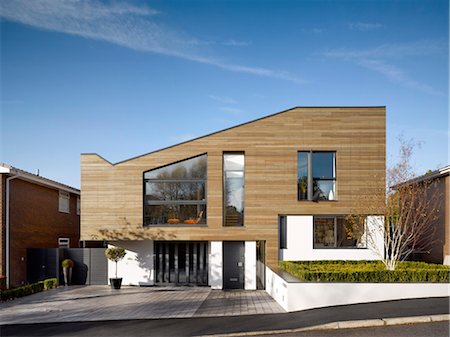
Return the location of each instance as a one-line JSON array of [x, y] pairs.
[[365, 271]]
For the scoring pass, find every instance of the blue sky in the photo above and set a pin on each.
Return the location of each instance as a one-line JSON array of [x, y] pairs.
[[126, 78]]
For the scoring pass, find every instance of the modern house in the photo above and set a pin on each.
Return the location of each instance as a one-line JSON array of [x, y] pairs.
[[216, 209], [35, 212]]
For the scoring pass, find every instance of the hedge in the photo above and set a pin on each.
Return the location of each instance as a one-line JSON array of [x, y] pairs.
[[365, 271], [28, 289]]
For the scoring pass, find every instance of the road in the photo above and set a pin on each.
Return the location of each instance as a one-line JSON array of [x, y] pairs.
[[196, 326], [437, 329]]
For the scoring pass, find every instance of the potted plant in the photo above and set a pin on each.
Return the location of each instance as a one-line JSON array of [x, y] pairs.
[[67, 265], [115, 254]]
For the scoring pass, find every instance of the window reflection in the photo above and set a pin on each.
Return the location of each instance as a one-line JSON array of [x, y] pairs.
[[176, 194], [233, 166]]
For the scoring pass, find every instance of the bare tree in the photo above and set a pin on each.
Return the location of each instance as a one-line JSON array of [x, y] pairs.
[[406, 212]]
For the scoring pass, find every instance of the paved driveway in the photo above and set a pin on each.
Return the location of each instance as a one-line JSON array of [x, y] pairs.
[[95, 303]]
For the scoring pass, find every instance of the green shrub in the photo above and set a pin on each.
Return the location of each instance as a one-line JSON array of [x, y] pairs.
[[50, 283], [67, 263], [28, 289], [365, 271]]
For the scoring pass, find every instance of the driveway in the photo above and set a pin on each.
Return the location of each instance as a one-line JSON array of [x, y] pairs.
[[100, 303]]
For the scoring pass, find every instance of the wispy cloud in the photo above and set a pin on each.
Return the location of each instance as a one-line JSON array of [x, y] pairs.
[[223, 99], [398, 50], [236, 43], [365, 26], [127, 25], [183, 138], [315, 30], [379, 59], [231, 110]]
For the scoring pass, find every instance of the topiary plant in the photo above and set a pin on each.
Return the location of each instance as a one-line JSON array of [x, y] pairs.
[[67, 263], [115, 254]]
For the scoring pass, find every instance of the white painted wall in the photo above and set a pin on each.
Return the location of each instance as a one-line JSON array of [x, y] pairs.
[[215, 265], [136, 268], [308, 295], [250, 265], [299, 234]]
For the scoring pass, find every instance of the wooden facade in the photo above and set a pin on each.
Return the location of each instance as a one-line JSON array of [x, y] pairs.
[[112, 194]]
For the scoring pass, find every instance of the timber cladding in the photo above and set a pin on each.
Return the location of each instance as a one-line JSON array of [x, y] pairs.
[[112, 194]]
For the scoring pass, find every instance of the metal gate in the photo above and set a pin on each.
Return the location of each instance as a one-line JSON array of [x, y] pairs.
[[90, 265], [181, 262]]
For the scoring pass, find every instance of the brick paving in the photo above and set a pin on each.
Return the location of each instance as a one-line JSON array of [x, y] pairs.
[[95, 303]]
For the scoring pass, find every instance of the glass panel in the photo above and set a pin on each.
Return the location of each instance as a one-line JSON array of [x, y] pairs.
[[302, 175], [175, 214], [323, 164], [194, 168], [324, 233], [282, 232], [165, 191], [350, 234], [233, 162], [324, 189], [234, 198]]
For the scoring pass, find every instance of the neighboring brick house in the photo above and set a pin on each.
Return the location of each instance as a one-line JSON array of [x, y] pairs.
[[439, 183], [35, 212]]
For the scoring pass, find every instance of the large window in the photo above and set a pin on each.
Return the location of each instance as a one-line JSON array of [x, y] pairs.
[[233, 182], [337, 232], [176, 194], [316, 175]]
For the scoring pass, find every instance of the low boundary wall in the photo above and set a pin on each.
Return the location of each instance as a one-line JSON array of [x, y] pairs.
[[294, 295]]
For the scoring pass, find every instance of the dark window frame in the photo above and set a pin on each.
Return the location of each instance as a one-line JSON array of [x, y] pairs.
[[175, 202], [282, 232], [335, 217], [311, 178]]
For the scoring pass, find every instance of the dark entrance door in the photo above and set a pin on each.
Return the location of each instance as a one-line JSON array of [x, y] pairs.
[[233, 264]]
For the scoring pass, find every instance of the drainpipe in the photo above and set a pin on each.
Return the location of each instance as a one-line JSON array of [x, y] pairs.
[[7, 228]]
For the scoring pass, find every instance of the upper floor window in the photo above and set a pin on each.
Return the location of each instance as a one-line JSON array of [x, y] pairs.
[[233, 189], [316, 175], [337, 232], [176, 194], [64, 202]]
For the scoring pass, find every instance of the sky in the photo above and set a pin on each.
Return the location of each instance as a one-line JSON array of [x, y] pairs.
[[124, 78]]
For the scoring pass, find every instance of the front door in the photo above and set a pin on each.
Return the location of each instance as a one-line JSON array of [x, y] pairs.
[[233, 264]]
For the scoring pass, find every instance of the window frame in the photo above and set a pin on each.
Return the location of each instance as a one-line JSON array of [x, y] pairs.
[[63, 195], [78, 206], [224, 188], [335, 217], [175, 202], [282, 232], [311, 179]]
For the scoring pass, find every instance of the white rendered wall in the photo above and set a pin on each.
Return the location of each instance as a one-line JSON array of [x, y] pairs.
[[299, 234], [308, 295], [215, 265], [136, 268], [250, 265]]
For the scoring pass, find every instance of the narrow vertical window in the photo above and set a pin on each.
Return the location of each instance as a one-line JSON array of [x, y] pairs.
[[78, 206], [282, 233], [233, 189]]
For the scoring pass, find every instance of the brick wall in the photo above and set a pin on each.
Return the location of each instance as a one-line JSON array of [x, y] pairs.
[[3, 228], [35, 222]]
